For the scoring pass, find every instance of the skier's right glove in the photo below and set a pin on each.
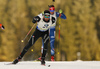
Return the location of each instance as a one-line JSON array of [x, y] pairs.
[[36, 19]]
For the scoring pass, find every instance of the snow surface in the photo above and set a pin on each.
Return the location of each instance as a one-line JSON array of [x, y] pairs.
[[53, 65]]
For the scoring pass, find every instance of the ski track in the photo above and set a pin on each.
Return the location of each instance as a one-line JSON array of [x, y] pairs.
[[52, 65]]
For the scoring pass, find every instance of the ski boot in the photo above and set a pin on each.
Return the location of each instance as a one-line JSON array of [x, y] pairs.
[[42, 61], [16, 60], [52, 58]]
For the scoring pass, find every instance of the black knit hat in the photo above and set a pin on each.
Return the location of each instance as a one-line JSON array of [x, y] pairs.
[[46, 12], [51, 6]]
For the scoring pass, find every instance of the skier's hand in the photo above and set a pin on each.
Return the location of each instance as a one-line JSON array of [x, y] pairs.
[[36, 19], [60, 11], [33, 21]]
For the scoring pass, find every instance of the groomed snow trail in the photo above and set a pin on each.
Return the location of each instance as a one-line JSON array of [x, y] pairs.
[[52, 65]]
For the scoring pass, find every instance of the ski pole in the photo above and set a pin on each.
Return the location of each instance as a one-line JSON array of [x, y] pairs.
[[28, 33], [59, 35], [60, 11]]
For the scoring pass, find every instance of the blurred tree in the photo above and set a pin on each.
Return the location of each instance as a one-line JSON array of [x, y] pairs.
[[87, 36]]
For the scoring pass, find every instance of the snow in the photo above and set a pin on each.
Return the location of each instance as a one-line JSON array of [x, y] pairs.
[[53, 65]]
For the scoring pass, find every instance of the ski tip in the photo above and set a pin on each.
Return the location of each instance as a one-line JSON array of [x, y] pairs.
[[9, 64]]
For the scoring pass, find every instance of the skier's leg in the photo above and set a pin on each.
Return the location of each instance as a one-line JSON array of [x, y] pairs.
[[45, 41], [30, 43], [52, 46], [52, 40], [32, 40], [52, 49], [41, 50], [42, 47]]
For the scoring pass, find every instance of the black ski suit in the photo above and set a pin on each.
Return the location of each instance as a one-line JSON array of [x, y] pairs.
[[41, 31]]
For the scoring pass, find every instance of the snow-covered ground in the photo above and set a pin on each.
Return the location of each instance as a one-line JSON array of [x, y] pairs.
[[53, 65]]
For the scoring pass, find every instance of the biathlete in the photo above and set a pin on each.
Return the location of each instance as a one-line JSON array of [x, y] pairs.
[[55, 15], [44, 22]]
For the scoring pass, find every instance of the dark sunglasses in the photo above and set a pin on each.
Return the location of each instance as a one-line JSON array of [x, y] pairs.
[[47, 16]]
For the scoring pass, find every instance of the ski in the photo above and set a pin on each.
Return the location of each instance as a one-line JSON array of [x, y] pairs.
[[43, 64], [46, 65], [9, 64]]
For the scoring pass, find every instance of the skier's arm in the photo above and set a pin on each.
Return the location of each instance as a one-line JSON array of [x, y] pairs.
[[61, 15], [36, 19], [53, 20], [1, 26]]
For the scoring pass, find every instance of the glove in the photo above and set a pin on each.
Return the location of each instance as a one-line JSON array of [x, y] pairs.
[[36, 19], [60, 11]]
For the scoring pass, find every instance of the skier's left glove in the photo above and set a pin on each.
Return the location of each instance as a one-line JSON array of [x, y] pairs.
[[60, 12]]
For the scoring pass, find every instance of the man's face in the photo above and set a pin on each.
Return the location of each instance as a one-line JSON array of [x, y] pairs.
[[51, 13], [51, 9], [46, 17]]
